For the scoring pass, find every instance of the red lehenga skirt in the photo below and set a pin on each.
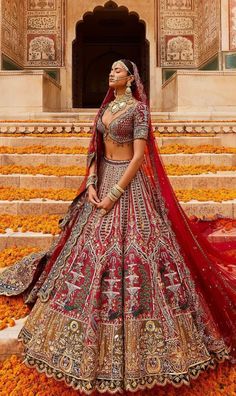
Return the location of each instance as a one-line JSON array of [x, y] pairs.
[[117, 308]]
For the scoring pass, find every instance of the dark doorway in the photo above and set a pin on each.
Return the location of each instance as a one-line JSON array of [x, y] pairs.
[[107, 34]]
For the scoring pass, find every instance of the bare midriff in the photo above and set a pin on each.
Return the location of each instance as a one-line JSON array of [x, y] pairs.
[[117, 151]]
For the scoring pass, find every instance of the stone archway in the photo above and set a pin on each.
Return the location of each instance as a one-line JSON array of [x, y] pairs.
[[103, 36]]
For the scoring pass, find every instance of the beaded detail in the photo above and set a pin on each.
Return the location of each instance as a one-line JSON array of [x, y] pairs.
[[129, 125]]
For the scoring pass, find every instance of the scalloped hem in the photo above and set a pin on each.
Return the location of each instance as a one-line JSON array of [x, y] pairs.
[[129, 385]]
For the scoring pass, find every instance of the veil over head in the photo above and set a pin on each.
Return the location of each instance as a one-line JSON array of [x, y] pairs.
[[213, 271]]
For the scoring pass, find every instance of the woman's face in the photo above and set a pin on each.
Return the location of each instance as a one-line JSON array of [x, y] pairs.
[[118, 76]]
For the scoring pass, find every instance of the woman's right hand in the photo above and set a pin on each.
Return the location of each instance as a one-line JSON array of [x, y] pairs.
[[92, 195]]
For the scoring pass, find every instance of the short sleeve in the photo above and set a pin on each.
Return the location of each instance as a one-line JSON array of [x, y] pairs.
[[141, 121]]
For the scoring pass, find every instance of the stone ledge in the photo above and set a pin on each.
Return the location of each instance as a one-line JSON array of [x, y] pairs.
[[62, 159], [71, 141], [9, 344], [42, 241]]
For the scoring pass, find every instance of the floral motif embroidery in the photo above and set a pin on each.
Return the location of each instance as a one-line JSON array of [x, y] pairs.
[[121, 288]]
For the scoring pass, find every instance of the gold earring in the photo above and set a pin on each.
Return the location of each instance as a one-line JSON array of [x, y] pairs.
[[128, 90]]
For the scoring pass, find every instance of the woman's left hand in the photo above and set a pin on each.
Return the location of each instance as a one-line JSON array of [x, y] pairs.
[[106, 204]]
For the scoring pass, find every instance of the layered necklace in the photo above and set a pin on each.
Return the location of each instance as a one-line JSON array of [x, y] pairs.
[[120, 102]]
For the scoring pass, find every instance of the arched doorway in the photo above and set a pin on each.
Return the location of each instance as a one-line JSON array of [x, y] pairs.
[[103, 36]]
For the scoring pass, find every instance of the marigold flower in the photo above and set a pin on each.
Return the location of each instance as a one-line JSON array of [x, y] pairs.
[[186, 149], [43, 169]]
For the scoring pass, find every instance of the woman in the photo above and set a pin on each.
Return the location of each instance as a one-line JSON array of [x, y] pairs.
[[131, 295]]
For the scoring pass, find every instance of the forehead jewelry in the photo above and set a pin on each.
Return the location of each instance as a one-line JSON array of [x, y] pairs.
[[121, 102], [122, 64]]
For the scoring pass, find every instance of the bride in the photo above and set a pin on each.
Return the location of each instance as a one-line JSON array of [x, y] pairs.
[[131, 295]]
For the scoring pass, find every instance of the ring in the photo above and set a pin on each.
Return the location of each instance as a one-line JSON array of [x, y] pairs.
[[103, 211]]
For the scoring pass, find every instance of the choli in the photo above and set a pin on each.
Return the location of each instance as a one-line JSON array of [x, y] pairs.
[[127, 126]]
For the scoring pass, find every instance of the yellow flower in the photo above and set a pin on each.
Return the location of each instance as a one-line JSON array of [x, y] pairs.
[[185, 149], [14, 193], [47, 224], [43, 170]]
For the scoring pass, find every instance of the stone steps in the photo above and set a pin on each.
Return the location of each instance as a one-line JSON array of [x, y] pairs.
[[40, 181], [80, 159], [217, 180], [199, 159], [41, 206], [210, 181], [29, 238], [23, 141], [9, 344], [38, 206], [45, 159]]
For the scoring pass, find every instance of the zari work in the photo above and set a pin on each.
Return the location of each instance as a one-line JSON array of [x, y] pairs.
[[132, 299], [119, 310]]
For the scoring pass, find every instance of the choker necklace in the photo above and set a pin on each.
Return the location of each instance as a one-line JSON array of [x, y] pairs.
[[120, 103]]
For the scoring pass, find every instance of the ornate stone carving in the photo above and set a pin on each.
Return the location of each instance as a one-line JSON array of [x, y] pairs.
[[13, 29], [179, 4], [208, 27], [41, 48], [44, 43], [178, 33], [232, 5], [177, 23], [179, 48], [41, 22], [41, 4]]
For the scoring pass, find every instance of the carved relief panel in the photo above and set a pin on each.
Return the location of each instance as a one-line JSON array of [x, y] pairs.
[[44, 33], [232, 24], [208, 27], [13, 30], [178, 37]]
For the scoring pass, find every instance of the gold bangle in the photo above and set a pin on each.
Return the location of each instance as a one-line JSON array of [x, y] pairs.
[[119, 188], [116, 192], [112, 197]]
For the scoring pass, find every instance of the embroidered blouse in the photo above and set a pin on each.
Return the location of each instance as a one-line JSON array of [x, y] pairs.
[[129, 125]]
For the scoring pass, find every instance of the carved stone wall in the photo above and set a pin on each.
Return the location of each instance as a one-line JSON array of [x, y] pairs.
[[189, 31], [208, 28], [232, 24], [44, 33], [178, 34], [33, 32], [12, 30]]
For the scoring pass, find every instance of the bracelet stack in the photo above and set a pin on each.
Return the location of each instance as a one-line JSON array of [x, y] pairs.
[[92, 179], [115, 192]]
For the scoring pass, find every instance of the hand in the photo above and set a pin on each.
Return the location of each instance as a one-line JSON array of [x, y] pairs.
[[106, 204], [92, 195]]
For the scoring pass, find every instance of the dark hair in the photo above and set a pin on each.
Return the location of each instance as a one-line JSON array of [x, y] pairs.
[[129, 64]]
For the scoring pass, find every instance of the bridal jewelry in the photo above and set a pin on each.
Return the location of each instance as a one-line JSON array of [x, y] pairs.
[[115, 193], [120, 102], [92, 179]]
